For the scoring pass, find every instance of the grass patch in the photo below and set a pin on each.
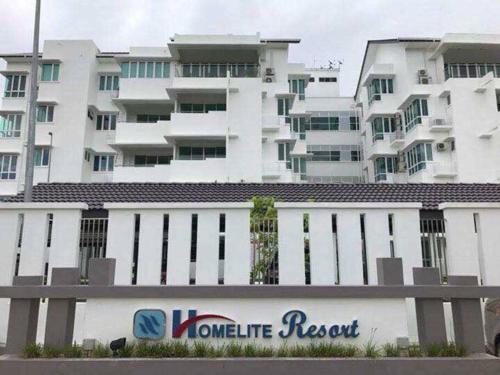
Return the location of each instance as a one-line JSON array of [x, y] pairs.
[[32, 351], [101, 351], [390, 350], [73, 351]]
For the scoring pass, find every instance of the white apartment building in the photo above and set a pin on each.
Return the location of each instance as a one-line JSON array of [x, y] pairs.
[[203, 108], [431, 109]]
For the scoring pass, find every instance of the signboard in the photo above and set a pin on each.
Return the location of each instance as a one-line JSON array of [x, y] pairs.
[[150, 325]]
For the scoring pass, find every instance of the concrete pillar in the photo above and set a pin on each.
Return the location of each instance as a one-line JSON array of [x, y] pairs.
[[120, 246], [61, 311], [23, 317], [467, 317], [390, 271], [430, 314], [291, 247], [32, 261], [377, 241], [102, 271], [321, 248]]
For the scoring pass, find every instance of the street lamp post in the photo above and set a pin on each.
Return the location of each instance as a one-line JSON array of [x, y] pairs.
[[30, 146]]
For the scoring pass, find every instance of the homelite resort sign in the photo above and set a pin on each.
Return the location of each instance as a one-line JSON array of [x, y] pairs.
[[150, 324]]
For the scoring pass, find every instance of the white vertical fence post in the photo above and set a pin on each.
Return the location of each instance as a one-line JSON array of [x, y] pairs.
[[291, 246], [120, 245], [237, 252], [9, 223], [349, 240], [34, 243], [377, 240], [322, 257], [150, 248], [179, 247], [207, 255]]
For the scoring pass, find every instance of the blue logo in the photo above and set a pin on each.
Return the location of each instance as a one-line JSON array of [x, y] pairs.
[[149, 324]]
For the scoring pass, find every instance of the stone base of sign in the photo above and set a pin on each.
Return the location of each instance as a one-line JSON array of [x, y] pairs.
[[479, 364]]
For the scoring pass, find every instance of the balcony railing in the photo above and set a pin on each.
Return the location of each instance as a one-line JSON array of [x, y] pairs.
[[398, 135], [202, 70]]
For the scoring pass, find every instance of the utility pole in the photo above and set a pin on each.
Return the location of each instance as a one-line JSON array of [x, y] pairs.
[[30, 146]]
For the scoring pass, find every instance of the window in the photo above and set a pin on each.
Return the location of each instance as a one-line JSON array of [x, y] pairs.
[[145, 69], [297, 86], [50, 73], [45, 113], [202, 108], [299, 126], [335, 153], [384, 165], [311, 79], [299, 167], [328, 79], [144, 118], [10, 126], [471, 70], [201, 152], [353, 123], [103, 163], [325, 123], [284, 154], [106, 122], [381, 126], [42, 156], [8, 165], [418, 156], [379, 86], [15, 86], [151, 160], [108, 82], [414, 113], [284, 109]]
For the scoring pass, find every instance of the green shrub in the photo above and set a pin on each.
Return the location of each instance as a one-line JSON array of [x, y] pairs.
[[234, 349], [370, 350], [250, 350], [351, 350], [216, 351], [434, 350], [265, 351], [390, 350], [32, 350], [101, 351], [142, 350], [73, 351], [200, 349], [180, 349], [50, 352], [126, 352], [298, 351], [283, 351], [415, 351]]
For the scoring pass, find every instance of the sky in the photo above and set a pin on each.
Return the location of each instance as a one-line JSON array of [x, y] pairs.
[[328, 29]]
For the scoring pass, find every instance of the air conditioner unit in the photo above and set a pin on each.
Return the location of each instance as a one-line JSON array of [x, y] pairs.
[[268, 79], [269, 71], [422, 72], [438, 121], [441, 146], [424, 80]]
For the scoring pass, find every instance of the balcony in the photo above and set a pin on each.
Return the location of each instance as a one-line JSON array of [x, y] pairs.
[[443, 170], [381, 147], [437, 125], [208, 170], [205, 70], [133, 134], [140, 90], [275, 170], [419, 133], [397, 139], [212, 125]]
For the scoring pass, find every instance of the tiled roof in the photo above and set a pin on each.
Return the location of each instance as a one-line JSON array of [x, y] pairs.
[[95, 194]]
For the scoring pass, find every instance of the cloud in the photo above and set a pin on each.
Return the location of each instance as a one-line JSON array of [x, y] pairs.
[[329, 29]]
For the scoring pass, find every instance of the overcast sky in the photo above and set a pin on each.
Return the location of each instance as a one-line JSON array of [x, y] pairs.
[[329, 29]]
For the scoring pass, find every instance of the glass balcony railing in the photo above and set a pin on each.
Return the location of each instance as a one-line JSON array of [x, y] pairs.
[[202, 70]]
